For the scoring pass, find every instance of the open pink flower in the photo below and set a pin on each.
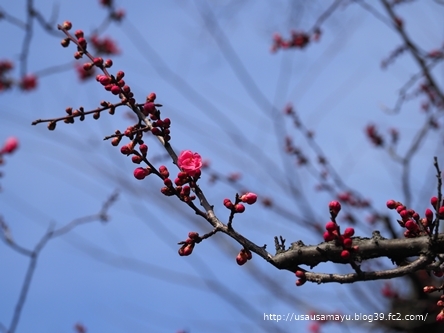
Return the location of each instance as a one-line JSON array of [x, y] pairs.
[[11, 144], [189, 162]]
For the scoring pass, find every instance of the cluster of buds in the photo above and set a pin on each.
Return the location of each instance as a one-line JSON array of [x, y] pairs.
[[291, 149], [87, 70], [104, 45], [189, 164], [139, 173], [374, 136], [415, 226], [432, 95], [181, 189], [439, 303], [80, 38], [298, 39], [238, 207], [5, 81], [301, 278], [83, 74], [129, 149], [184, 190], [161, 127], [333, 232], [26, 83], [352, 200], [243, 256], [116, 85], [188, 245]]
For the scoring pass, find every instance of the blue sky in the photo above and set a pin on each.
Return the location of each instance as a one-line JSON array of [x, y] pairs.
[[126, 275]]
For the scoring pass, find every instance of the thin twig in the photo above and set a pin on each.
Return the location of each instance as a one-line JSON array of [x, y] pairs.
[[438, 217], [34, 255]]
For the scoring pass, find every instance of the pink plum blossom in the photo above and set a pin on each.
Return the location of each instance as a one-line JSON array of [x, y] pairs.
[[190, 162]]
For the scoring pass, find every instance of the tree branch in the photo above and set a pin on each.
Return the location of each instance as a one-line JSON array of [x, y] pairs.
[[369, 248], [34, 254]]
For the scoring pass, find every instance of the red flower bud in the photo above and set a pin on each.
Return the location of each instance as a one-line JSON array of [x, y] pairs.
[[300, 274], [67, 25], [168, 182], [136, 159], [331, 226], [429, 215], [140, 173], [120, 75], [239, 208], [400, 208], [186, 249], [87, 66], [434, 201], [249, 198], [143, 149], [349, 232], [115, 90], [108, 63], [156, 131], [228, 203], [11, 145], [149, 108], [78, 34], [151, 97], [98, 61], [126, 150], [247, 253], [241, 258], [404, 215], [334, 207], [115, 141], [391, 204], [65, 42], [441, 212], [82, 42], [328, 236], [193, 235], [300, 282], [164, 171], [345, 254], [411, 225], [104, 80], [347, 243]]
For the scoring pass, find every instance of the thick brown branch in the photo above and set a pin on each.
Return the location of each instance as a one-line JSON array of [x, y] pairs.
[[369, 248]]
